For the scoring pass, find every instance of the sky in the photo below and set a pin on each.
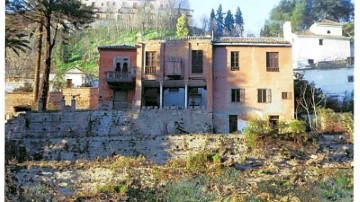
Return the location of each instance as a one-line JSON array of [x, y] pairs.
[[254, 12]]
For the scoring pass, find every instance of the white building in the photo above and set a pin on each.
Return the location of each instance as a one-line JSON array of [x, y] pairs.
[[74, 78], [323, 42], [336, 83]]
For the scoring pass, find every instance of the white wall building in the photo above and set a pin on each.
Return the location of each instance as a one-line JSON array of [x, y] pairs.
[[74, 78], [336, 83], [322, 42]]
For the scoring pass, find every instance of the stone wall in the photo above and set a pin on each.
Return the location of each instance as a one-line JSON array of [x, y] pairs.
[[98, 134], [86, 98]]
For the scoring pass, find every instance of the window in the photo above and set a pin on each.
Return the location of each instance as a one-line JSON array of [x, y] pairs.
[[286, 95], [350, 79], [264, 95], [272, 61], [311, 61], [197, 62], [150, 67], [238, 95], [320, 42], [234, 60], [69, 83], [329, 32]]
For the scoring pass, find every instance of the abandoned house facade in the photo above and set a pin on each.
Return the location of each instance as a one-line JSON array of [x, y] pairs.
[[231, 79]]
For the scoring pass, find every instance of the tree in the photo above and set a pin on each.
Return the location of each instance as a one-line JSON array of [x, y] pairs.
[[212, 26], [182, 26], [308, 98], [338, 10], [239, 22], [56, 17], [303, 13], [219, 22], [229, 23], [204, 23], [15, 36]]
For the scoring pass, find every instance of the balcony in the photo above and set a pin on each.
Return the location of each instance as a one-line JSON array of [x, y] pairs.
[[173, 68], [120, 80]]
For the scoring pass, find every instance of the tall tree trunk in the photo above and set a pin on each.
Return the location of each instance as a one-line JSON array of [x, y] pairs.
[[48, 48], [38, 63]]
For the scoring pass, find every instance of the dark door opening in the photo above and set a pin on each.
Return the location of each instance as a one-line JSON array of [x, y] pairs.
[[274, 122], [233, 123], [120, 100]]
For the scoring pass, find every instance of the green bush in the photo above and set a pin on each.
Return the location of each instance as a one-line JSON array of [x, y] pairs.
[[188, 190], [296, 126], [250, 138], [347, 122], [216, 158], [197, 162], [327, 118], [254, 128]]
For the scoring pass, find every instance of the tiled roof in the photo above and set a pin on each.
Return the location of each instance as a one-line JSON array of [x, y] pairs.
[[118, 47], [179, 38], [251, 40], [328, 22], [309, 34]]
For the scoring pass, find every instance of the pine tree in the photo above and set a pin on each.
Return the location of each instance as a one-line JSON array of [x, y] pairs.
[[56, 17], [212, 26], [182, 26], [219, 22], [229, 23], [239, 22]]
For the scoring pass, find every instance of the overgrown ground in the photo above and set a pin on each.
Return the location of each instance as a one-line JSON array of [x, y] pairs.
[[312, 168]]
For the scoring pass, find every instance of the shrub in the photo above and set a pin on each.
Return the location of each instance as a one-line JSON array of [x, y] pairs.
[[296, 126], [327, 119], [188, 190], [255, 127], [216, 158], [250, 138], [347, 124], [197, 162]]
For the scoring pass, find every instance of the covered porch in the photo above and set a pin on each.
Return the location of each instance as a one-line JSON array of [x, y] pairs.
[[174, 94]]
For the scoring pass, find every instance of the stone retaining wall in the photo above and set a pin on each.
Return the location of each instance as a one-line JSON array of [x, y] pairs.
[[98, 134]]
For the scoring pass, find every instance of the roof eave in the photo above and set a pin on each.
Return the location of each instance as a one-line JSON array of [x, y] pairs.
[[250, 44]]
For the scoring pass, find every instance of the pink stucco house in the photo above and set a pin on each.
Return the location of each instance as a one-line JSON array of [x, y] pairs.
[[231, 79]]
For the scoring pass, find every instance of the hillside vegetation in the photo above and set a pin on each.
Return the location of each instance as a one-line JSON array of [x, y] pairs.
[[81, 50]]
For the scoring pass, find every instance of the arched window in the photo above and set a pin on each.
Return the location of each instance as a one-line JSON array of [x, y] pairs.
[[125, 67], [117, 67]]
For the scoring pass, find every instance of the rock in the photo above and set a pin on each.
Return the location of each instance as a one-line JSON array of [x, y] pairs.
[[271, 169], [229, 162]]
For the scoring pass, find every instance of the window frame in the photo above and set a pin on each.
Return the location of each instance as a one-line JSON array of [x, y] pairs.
[[264, 95], [238, 95], [234, 60], [272, 62], [286, 95], [197, 62], [150, 62]]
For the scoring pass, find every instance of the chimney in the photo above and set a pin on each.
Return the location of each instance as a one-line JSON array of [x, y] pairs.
[[287, 31], [138, 37]]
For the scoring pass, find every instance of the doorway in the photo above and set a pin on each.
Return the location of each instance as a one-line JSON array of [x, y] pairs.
[[233, 123], [120, 100]]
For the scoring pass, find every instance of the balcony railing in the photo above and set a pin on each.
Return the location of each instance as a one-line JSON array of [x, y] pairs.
[[272, 69], [123, 77], [150, 70]]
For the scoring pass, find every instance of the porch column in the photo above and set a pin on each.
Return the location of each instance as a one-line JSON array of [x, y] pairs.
[[186, 93], [161, 93]]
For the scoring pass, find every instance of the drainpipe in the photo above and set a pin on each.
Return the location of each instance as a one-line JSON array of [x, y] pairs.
[[186, 94], [161, 93]]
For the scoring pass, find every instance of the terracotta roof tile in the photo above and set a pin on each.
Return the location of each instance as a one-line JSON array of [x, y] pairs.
[[328, 22], [118, 47], [252, 40]]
